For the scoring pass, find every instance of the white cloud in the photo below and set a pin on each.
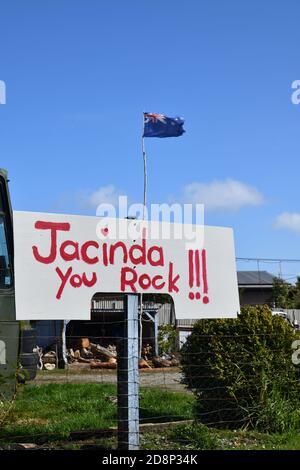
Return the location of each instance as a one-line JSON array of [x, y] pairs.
[[227, 195], [289, 221], [104, 195]]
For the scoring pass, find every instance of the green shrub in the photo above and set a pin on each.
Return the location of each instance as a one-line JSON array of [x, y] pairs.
[[241, 371]]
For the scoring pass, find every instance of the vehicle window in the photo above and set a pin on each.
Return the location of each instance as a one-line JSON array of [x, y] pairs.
[[5, 271], [5, 267]]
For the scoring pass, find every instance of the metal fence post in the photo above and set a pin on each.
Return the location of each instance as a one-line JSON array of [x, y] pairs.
[[128, 377]]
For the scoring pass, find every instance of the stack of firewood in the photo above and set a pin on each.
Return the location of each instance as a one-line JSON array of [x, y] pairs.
[[94, 354], [159, 362], [100, 357]]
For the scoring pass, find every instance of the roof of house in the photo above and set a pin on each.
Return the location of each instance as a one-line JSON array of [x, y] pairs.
[[248, 278]]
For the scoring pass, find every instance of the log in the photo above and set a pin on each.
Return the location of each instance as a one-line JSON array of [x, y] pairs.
[[49, 366], [49, 359], [98, 350], [103, 365], [112, 348], [112, 360], [144, 364], [78, 357], [82, 359], [159, 362], [26, 446], [84, 343], [86, 353], [174, 362], [76, 354], [146, 351]]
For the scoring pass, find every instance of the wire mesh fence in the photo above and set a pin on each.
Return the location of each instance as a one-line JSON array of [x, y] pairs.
[[225, 378]]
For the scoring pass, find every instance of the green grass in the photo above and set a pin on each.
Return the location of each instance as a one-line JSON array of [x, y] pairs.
[[161, 405], [58, 409], [183, 437]]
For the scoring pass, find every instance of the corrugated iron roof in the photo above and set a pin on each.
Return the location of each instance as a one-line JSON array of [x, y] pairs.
[[254, 277]]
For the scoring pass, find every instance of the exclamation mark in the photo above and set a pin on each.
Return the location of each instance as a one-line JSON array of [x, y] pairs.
[[191, 273], [204, 277], [194, 272], [197, 269]]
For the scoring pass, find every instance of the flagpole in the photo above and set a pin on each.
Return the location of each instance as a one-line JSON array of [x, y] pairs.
[[144, 210], [145, 172]]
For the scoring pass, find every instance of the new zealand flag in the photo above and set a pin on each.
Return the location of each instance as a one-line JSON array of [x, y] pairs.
[[158, 125]]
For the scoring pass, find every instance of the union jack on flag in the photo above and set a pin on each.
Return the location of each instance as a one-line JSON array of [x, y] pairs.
[[159, 125]]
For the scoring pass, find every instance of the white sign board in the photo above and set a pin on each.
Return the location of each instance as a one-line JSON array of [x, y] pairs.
[[61, 261]]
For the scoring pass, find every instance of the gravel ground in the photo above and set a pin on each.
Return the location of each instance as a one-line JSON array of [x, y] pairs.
[[162, 378]]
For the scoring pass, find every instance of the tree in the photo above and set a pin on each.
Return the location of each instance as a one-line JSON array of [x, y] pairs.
[[297, 294], [284, 293]]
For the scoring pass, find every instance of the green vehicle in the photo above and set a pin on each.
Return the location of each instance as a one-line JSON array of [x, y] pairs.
[[9, 327]]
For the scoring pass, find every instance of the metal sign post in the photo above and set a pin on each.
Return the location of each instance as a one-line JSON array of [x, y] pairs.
[[128, 378]]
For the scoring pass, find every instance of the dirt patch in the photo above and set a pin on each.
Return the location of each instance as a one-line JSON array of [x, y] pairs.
[[169, 379]]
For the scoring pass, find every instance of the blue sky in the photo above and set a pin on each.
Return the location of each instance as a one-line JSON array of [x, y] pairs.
[[79, 74]]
